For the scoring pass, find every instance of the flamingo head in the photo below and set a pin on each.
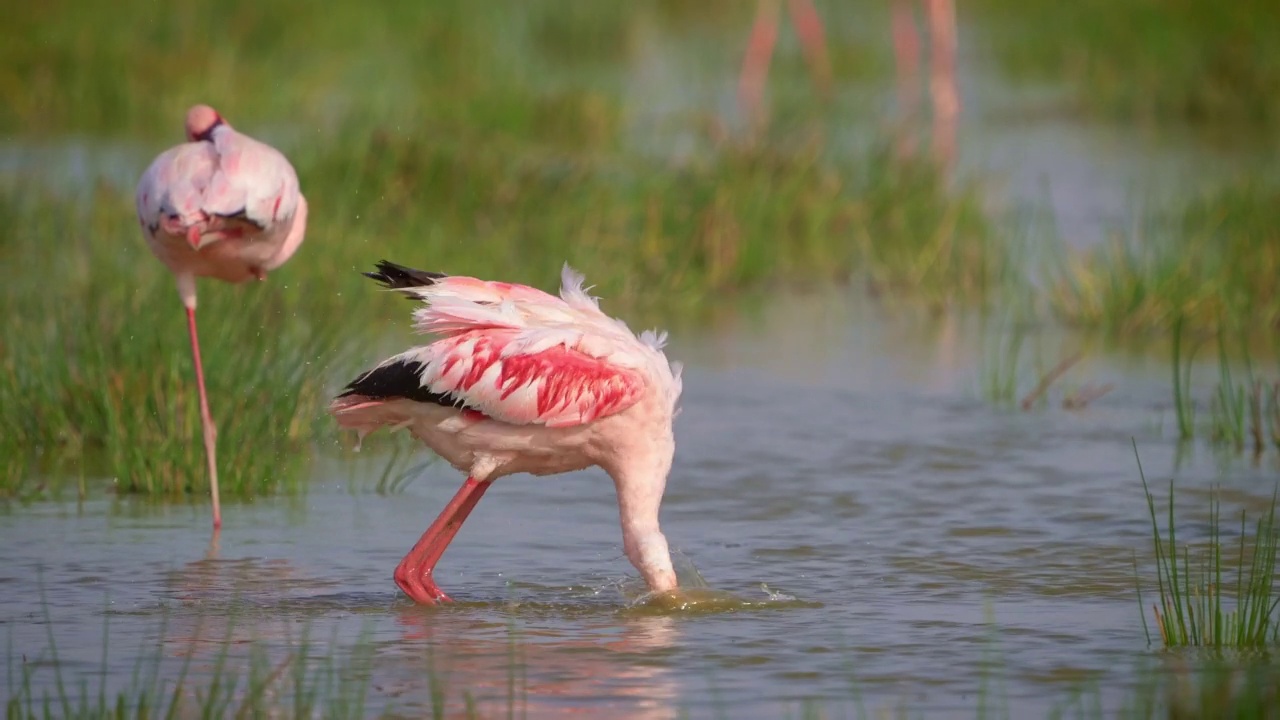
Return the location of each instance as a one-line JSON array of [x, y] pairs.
[[201, 121]]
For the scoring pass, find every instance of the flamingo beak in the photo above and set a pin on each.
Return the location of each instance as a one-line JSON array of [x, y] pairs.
[[200, 241]]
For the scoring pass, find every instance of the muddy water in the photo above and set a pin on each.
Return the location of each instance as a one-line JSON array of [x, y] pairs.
[[917, 544]]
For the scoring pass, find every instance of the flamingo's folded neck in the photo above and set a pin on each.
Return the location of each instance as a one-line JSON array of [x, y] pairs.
[[640, 483]]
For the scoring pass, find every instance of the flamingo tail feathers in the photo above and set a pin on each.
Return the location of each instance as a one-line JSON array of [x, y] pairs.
[[396, 277]]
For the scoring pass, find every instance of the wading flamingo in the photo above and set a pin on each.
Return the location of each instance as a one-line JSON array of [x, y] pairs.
[[518, 380], [221, 205]]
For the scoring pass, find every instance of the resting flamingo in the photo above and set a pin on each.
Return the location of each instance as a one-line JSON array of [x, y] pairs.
[[518, 380], [221, 205]]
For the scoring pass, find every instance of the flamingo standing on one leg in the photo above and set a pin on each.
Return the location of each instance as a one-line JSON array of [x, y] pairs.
[[221, 205], [522, 381]]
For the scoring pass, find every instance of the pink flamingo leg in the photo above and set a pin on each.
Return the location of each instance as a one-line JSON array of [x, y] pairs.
[[813, 43], [946, 96], [206, 421], [414, 573], [906, 50], [755, 64]]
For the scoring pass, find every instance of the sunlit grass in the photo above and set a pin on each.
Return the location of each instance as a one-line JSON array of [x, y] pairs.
[[1191, 609]]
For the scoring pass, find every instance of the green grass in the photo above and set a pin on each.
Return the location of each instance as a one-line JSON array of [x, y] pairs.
[[1192, 608], [97, 364], [1213, 268], [1197, 62]]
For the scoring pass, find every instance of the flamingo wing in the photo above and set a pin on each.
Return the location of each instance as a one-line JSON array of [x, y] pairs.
[[512, 352], [529, 377], [175, 183], [521, 378]]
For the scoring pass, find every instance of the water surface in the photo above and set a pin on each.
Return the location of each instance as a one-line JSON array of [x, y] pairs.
[[932, 544]]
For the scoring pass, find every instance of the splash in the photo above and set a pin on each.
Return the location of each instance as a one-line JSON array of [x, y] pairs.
[[695, 595]]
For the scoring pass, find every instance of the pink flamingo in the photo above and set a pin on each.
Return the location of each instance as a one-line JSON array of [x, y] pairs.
[[522, 381], [221, 205]]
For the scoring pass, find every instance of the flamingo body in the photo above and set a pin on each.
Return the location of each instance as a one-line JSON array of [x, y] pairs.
[[221, 205], [518, 380]]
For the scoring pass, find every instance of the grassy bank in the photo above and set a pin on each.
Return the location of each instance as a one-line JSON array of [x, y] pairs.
[[1213, 266], [1213, 65]]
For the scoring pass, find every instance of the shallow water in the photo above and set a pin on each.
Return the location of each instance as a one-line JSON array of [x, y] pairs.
[[933, 545]]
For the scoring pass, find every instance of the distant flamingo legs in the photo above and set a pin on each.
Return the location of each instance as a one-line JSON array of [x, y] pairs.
[[907, 48], [764, 35], [221, 205], [521, 381]]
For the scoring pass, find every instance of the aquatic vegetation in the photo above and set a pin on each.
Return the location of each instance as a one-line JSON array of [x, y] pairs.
[[304, 681], [1002, 358], [1190, 610], [1193, 61], [1214, 268], [1241, 414]]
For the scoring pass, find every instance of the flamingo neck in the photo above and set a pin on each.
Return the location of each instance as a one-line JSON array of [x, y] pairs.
[[640, 485]]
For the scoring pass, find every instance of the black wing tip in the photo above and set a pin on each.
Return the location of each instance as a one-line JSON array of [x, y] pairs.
[[395, 277], [402, 379]]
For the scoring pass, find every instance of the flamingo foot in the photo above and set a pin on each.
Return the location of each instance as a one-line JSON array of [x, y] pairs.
[[414, 573], [420, 587]]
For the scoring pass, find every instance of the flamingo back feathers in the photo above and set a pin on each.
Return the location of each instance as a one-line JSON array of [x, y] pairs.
[[523, 356]]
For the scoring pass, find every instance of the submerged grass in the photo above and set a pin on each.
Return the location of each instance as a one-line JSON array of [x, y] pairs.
[[302, 680], [297, 677], [1191, 611]]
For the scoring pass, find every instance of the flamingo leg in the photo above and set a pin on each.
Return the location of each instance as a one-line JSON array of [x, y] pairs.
[[206, 421], [813, 43], [755, 64], [414, 573], [906, 50], [946, 95]]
